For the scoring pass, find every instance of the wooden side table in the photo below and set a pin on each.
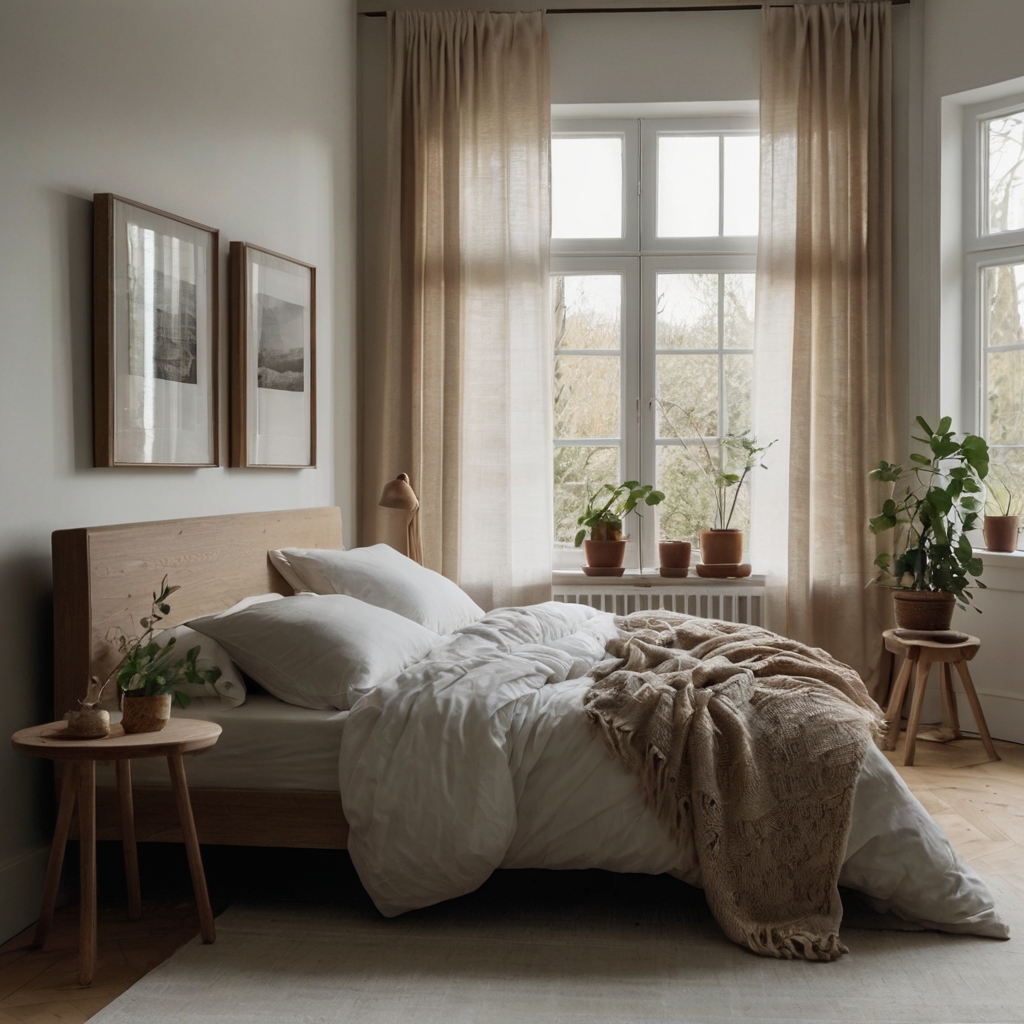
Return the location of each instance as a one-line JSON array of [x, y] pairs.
[[923, 654], [180, 736]]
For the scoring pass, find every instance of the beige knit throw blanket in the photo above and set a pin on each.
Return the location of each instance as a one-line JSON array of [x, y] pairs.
[[757, 741]]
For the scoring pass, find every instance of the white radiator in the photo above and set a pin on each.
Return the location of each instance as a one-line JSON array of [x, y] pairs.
[[732, 602]]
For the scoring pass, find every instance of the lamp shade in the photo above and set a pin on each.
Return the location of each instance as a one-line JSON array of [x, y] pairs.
[[398, 493]]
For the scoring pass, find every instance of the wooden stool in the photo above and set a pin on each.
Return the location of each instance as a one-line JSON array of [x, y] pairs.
[[78, 779], [924, 653]]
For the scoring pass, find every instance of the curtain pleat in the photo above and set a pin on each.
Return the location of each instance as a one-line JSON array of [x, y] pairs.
[[824, 311], [458, 390]]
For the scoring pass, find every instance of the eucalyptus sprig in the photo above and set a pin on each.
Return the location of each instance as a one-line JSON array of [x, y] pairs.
[[147, 668], [932, 516]]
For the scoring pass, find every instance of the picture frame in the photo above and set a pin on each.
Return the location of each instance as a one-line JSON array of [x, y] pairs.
[[272, 359], [155, 337]]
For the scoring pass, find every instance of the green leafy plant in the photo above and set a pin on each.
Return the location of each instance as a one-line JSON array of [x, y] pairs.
[[148, 669], [933, 514], [609, 505], [742, 454]]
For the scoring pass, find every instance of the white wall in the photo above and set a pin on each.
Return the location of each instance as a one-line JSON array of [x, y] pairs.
[[234, 113]]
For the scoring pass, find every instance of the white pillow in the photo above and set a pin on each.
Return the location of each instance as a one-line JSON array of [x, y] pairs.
[[382, 576], [318, 652], [229, 688]]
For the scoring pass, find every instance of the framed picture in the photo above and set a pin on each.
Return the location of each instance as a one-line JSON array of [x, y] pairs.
[[154, 337], [273, 359]]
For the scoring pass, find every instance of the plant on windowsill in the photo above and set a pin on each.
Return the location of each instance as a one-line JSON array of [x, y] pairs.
[[932, 564], [720, 545], [149, 675], [605, 510], [1002, 527]]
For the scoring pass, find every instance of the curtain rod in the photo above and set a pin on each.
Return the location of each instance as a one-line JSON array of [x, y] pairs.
[[643, 10]]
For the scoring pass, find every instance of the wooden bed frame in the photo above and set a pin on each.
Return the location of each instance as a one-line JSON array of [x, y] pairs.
[[103, 577]]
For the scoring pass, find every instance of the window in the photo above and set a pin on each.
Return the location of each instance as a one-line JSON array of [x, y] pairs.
[[654, 236], [993, 232]]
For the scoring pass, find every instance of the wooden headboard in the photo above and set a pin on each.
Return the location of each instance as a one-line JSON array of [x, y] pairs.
[[103, 577]]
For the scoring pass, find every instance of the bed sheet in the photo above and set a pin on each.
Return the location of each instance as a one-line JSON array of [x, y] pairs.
[[266, 744]]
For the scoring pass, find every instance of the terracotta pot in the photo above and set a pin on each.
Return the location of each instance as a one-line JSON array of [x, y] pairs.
[[923, 609], [146, 714], [605, 554], [674, 556], [1001, 532], [721, 547]]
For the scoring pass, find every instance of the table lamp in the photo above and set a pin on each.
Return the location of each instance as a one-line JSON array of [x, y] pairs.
[[398, 493]]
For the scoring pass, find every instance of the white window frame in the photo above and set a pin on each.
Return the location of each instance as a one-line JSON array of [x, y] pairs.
[[980, 251], [639, 256]]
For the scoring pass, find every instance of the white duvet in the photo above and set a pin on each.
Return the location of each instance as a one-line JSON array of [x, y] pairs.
[[479, 757]]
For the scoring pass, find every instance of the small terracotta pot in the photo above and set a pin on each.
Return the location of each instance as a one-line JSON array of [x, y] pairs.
[[674, 556], [923, 609], [721, 547], [1001, 532], [146, 714], [605, 554]]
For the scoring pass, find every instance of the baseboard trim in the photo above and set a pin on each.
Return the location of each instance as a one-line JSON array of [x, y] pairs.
[[1004, 713], [21, 889]]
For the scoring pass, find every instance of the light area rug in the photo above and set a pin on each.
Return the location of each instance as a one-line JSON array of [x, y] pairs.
[[530, 958]]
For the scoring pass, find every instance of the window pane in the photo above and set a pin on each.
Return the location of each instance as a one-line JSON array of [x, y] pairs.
[[587, 397], [586, 187], [1005, 140], [742, 177], [579, 471], [687, 186], [687, 391], [687, 311], [738, 326], [1005, 397], [587, 311], [739, 373], [1004, 299]]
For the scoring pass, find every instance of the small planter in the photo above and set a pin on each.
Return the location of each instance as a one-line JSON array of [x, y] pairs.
[[605, 554], [923, 609], [1001, 532], [145, 714], [721, 547], [674, 556], [87, 723]]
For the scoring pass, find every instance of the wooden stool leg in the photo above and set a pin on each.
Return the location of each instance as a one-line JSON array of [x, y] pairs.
[[924, 666], [979, 715], [87, 872], [892, 715], [65, 810], [949, 712], [195, 860], [131, 853]]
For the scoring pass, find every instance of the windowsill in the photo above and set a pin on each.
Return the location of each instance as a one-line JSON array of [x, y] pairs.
[[649, 578], [1002, 559]]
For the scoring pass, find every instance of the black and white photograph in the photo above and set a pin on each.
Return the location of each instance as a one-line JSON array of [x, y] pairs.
[[280, 356], [273, 359], [155, 337]]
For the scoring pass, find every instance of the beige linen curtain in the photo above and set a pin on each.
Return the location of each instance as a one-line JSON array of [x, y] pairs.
[[824, 307], [457, 392]]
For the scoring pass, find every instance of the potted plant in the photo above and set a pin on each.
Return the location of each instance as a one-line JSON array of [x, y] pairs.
[[1002, 528], [721, 544], [149, 675], [603, 515], [932, 564]]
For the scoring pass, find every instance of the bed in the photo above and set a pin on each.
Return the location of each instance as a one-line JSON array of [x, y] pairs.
[[476, 755], [102, 579]]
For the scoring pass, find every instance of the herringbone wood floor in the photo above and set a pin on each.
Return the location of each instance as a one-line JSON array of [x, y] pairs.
[[980, 805]]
